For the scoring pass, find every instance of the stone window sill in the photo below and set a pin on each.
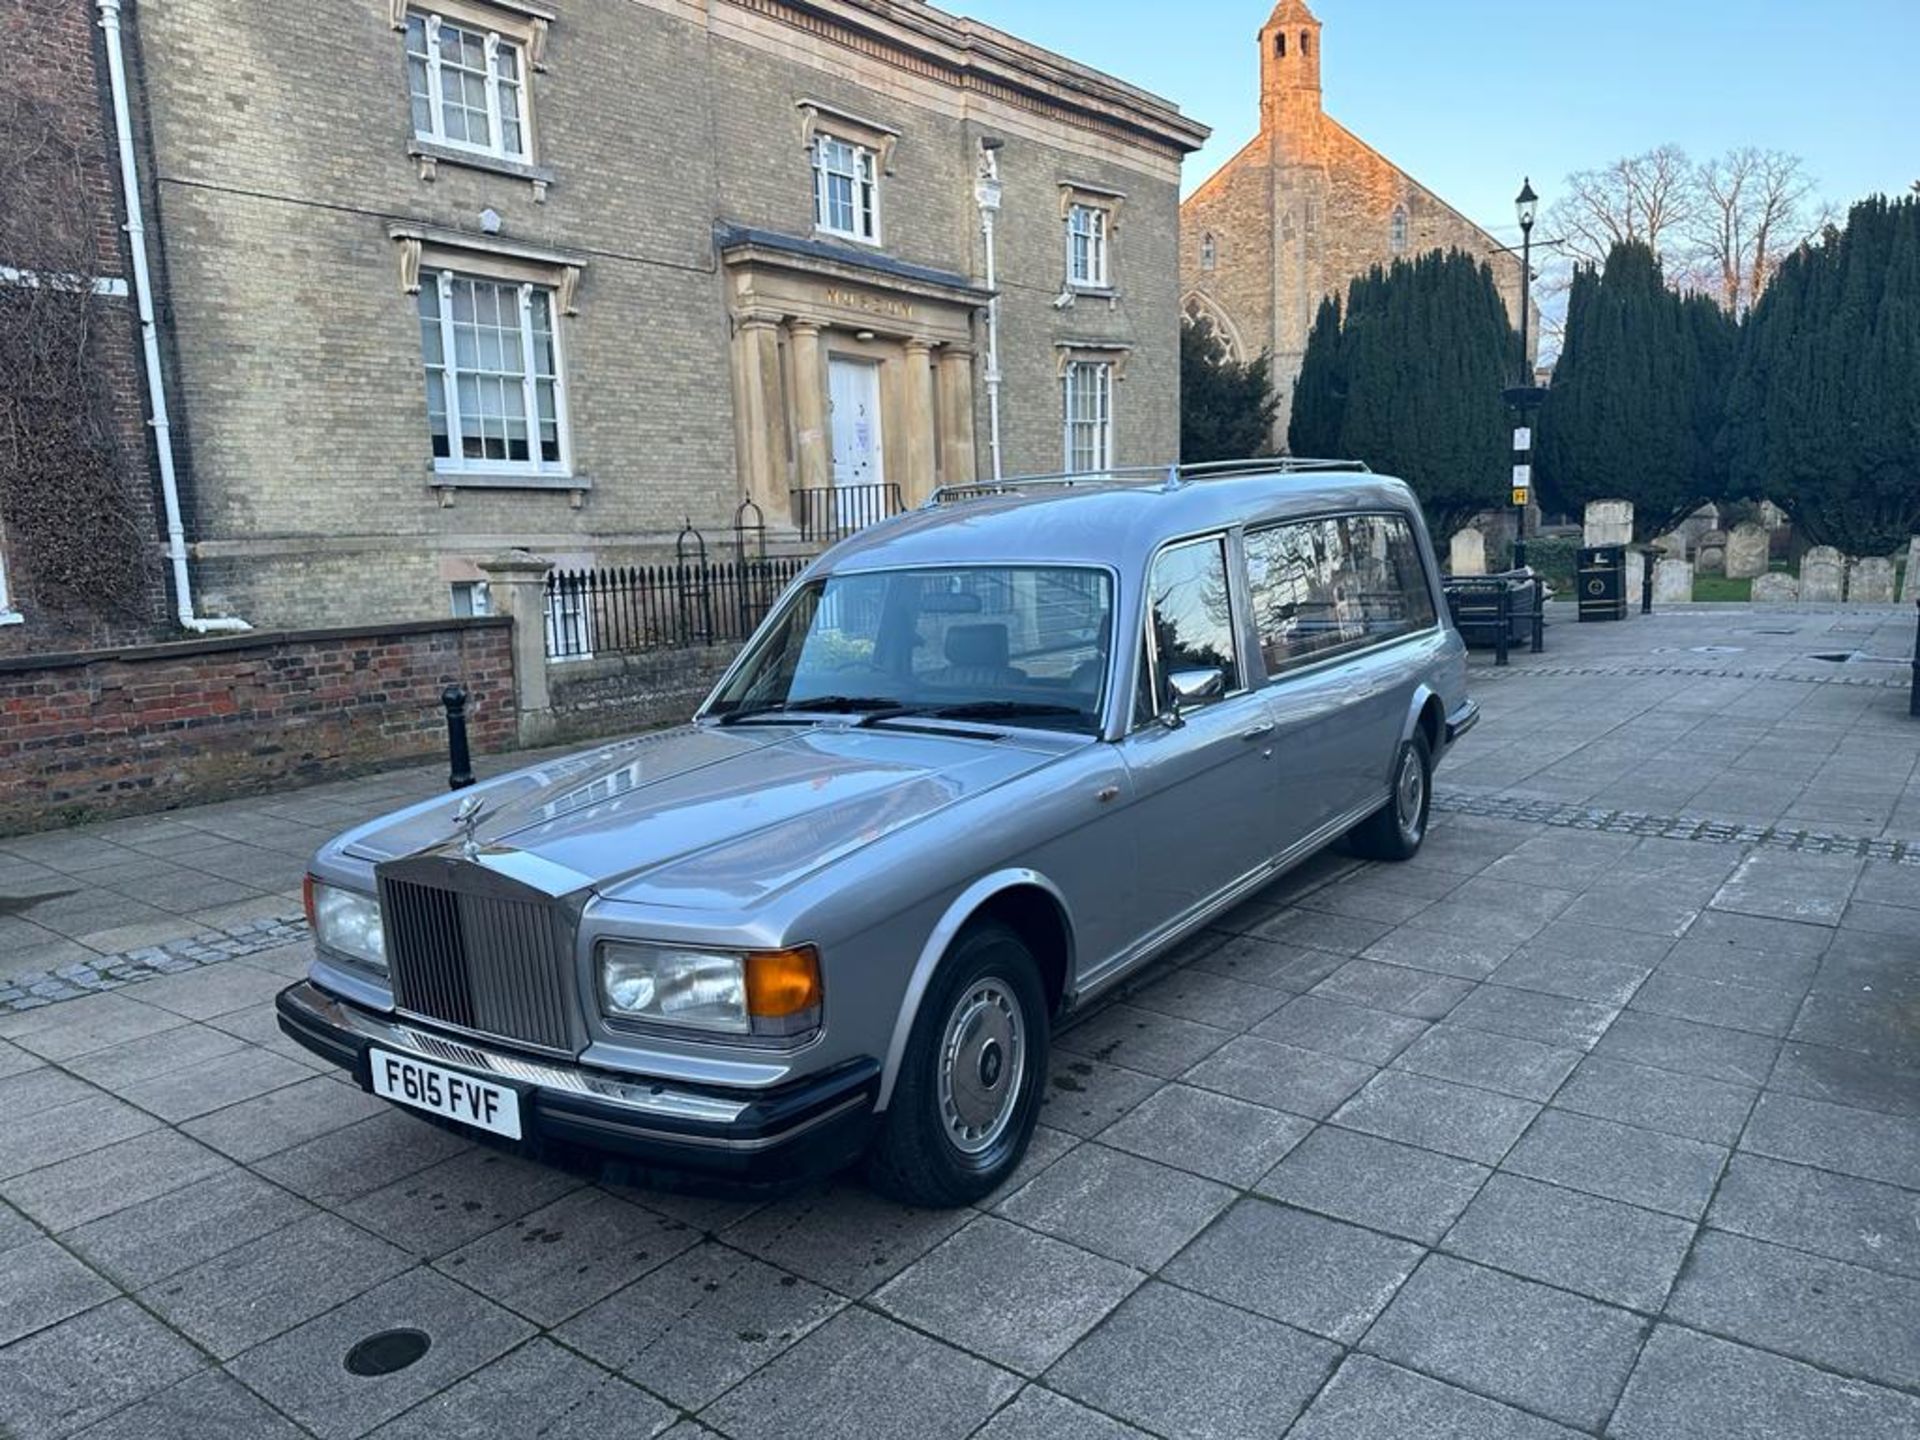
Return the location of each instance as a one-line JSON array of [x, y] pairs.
[[507, 480], [431, 156]]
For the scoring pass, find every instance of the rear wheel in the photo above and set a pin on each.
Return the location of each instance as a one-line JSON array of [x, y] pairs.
[[1395, 830], [968, 1094]]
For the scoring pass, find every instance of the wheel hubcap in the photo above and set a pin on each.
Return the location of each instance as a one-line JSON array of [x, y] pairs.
[[1410, 793], [983, 1057]]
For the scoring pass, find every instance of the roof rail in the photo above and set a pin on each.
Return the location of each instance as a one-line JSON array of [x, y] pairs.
[[1165, 477]]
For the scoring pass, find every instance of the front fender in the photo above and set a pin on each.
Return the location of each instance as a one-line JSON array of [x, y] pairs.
[[959, 911]]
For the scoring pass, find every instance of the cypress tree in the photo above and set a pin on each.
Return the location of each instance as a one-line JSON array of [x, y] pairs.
[[1823, 410], [1407, 377], [1226, 406], [1634, 408]]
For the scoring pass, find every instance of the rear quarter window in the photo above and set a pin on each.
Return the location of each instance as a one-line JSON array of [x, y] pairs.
[[1338, 583]]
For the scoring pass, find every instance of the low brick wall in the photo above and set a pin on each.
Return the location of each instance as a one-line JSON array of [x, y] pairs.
[[619, 694], [107, 732]]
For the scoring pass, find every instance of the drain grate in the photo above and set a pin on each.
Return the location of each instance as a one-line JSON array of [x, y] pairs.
[[387, 1351]]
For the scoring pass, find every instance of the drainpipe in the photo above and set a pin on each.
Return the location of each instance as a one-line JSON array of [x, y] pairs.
[[986, 194], [149, 332]]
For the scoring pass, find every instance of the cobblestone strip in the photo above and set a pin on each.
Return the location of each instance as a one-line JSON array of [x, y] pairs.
[[1710, 672], [110, 972], [1674, 827]]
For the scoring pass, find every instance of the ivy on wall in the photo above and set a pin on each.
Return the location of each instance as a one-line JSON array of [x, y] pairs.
[[73, 508]]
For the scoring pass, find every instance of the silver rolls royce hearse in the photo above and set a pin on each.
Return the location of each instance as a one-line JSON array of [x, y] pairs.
[[982, 762]]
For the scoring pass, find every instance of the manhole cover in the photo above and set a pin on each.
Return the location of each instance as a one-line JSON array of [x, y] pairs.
[[1835, 657], [387, 1351]]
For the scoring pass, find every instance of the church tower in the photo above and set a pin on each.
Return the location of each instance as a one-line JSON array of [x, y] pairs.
[[1290, 71]]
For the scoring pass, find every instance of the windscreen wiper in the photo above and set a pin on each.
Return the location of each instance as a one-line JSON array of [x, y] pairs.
[[979, 710], [812, 705]]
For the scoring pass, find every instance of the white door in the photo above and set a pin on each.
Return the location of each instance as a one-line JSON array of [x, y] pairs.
[[853, 388]]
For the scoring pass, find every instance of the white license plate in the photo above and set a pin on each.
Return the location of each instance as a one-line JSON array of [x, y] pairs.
[[458, 1096]]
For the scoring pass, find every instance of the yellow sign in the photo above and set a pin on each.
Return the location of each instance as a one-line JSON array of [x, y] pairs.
[[1521, 495], [872, 304]]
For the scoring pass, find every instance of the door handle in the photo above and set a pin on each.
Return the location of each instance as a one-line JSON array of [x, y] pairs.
[[1258, 732]]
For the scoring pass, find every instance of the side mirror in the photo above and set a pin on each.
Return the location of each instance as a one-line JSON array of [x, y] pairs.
[[1191, 687]]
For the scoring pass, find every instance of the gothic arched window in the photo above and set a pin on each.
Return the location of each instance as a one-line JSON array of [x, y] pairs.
[[1209, 252], [1397, 231], [1306, 42], [1280, 44]]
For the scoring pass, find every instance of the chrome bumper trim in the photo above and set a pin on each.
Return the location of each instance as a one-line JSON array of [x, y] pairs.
[[1463, 720], [643, 1098]]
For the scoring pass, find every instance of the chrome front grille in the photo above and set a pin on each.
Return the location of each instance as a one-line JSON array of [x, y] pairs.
[[489, 964]]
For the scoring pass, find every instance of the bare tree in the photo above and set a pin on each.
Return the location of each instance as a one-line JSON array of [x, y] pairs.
[[1651, 198], [1753, 207]]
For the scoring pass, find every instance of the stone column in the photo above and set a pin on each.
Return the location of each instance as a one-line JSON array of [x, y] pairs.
[[756, 363], [919, 420], [517, 584], [956, 416], [810, 407]]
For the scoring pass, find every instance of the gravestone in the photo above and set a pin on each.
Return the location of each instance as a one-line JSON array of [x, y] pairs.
[[1910, 591], [1609, 522], [1772, 517], [1823, 572], [1672, 582], [1870, 581], [1467, 553], [1636, 577], [1776, 587], [1710, 555], [1700, 523], [1675, 545], [1747, 551]]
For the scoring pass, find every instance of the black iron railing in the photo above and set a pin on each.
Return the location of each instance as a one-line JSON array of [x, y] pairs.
[[631, 609], [833, 512]]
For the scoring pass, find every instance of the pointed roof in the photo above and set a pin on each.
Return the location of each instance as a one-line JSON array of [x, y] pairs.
[[1290, 11]]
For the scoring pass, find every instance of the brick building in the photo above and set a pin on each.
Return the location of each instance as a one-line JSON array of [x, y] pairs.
[[80, 526], [457, 275], [1301, 210]]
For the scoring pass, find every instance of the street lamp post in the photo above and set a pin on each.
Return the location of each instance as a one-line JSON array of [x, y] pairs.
[[1525, 205]]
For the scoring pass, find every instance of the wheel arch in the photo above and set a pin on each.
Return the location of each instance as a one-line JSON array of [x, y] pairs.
[[1023, 900], [1425, 712]]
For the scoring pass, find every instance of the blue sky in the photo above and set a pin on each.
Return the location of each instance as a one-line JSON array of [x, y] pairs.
[[1470, 96]]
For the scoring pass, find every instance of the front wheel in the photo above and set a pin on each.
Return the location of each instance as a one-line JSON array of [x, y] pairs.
[[1395, 830], [968, 1094]]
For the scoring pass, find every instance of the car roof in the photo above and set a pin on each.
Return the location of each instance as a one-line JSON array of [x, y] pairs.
[[1104, 522]]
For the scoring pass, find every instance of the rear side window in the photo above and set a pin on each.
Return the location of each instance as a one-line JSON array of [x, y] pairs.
[[1318, 587], [1192, 617]]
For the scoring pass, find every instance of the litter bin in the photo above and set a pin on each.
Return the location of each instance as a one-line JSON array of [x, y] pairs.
[[1601, 580]]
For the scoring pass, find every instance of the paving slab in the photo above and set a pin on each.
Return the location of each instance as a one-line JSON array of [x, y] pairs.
[[1142, 1040], [843, 1236], [444, 1206], [1208, 999], [1005, 1293], [1847, 1077], [1281, 1077], [692, 1329], [149, 1241], [44, 1285], [1292, 968], [1601, 1248], [535, 1391], [1368, 1399], [1038, 1414], [1836, 1137], [1319, 1275], [1121, 1206], [1083, 1097], [1838, 1316], [1400, 989], [1456, 1120], [862, 1377], [1465, 959], [66, 1377], [304, 1375], [1352, 1032], [1656, 1099], [1541, 1349], [1688, 1385], [1384, 1185], [1860, 1221], [1529, 1015], [210, 1405], [1212, 1135], [1690, 1048], [1158, 1360], [1619, 1162], [1490, 1061]]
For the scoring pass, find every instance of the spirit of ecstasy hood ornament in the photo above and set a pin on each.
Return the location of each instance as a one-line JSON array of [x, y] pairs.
[[467, 817]]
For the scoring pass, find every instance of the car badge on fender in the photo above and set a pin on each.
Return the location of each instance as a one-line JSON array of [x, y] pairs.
[[467, 817]]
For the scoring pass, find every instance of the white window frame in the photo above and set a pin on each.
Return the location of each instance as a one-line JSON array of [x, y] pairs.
[[433, 21], [8, 615], [1094, 224], [455, 462], [864, 177], [477, 595], [1076, 375]]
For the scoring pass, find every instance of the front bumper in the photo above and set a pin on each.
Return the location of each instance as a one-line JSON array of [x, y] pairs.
[[807, 1127]]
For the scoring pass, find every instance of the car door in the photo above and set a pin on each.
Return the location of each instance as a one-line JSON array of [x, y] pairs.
[[1202, 783]]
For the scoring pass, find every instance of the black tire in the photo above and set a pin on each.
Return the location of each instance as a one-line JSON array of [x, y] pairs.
[[924, 1152], [1391, 832]]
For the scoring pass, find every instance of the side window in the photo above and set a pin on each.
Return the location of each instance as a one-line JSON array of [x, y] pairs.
[[1322, 586], [1192, 616]]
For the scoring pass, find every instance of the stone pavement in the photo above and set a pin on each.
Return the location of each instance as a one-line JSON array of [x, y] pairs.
[[1578, 1124]]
